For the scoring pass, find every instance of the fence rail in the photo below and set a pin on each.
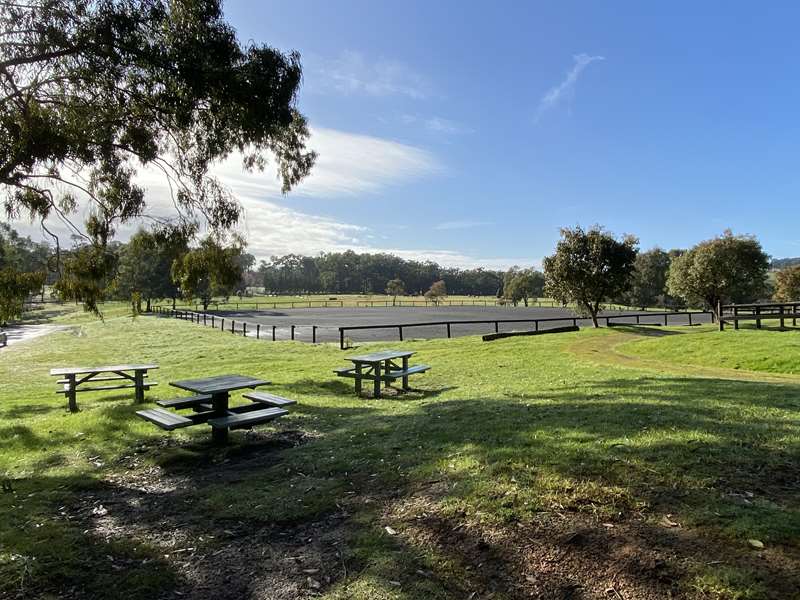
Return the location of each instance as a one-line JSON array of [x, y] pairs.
[[781, 311], [270, 331], [496, 322]]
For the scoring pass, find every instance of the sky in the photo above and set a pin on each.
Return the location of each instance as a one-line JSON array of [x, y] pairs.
[[469, 133]]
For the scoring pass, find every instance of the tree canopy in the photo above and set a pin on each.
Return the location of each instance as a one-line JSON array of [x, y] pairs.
[[208, 270], [522, 284], [590, 267], [787, 284], [92, 91], [728, 268]]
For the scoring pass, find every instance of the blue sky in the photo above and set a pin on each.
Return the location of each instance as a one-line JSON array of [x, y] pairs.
[[470, 132]]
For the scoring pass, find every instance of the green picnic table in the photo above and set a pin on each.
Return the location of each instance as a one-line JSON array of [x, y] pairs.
[[381, 367]]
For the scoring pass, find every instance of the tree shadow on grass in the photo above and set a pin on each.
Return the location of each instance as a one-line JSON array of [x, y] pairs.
[[719, 456]]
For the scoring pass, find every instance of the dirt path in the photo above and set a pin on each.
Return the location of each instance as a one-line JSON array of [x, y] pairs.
[[604, 349], [23, 333]]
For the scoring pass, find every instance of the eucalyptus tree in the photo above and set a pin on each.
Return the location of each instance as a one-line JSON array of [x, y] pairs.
[[91, 91]]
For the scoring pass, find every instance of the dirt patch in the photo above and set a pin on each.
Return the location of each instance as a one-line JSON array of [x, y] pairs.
[[561, 556]]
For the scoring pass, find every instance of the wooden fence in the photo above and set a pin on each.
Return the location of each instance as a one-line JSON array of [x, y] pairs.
[[400, 327], [269, 332], [758, 312]]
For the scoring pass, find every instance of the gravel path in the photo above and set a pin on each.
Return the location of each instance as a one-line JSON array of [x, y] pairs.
[[23, 333]]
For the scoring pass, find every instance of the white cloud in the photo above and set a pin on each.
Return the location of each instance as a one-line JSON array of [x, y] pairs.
[[437, 124], [348, 165], [567, 86], [352, 73], [448, 225]]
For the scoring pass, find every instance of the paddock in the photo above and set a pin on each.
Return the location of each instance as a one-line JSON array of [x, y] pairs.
[[322, 324]]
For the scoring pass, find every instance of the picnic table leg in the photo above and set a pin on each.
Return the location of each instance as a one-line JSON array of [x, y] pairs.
[[219, 402], [376, 390], [138, 378], [405, 368], [386, 368], [71, 393], [358, 379]]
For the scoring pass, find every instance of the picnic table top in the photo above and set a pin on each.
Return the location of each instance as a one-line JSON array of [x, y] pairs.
[[218, 383], [380, 356], [81, 370]]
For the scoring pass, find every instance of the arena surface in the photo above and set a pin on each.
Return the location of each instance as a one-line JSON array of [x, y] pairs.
[[328, 321]]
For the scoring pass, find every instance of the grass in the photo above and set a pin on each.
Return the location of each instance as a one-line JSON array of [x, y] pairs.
[[747, 349], [518, 441]]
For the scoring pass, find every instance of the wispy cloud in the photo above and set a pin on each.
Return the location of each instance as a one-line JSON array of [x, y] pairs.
[[352, 73], [436, 124], [448, 225], [349, 165], [566, 88]]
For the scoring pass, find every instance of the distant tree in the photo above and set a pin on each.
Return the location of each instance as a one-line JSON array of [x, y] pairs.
[[787, 284], [209, 270], [649, 279], [437, 291], [145, 266], [589, 268], [15, 287], [728, 268], [93, 90], [394, 288], [522, 285]]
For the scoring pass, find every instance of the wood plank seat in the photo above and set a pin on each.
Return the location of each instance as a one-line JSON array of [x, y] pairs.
[[269, 399], [247, 419], [165, 419], [385, 376], [109, 378], [199, 401], [102, 388]]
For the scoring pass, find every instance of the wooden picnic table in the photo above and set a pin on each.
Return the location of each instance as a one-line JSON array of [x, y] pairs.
[[211, 405], [74, 377], [381, 367]]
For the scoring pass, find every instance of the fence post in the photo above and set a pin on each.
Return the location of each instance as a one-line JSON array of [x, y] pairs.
[[244, 329], [736, 321], [204, 319], [341, 338], [758, 321], [780, 309], [222, 324], [496, 327], [313, 334], [638, 319], [292, 331], [212, 321], [233, 325], [273, 333], [258, 331], [448, 331], [666, 316], [690, 319], [400, 330], [719, 316], [536, 325]]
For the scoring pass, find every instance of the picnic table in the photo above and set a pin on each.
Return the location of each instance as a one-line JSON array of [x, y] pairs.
[[74, 378], [381, 367], [211, 405]]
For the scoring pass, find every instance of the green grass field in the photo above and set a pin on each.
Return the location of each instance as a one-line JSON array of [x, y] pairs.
[[610, 463]]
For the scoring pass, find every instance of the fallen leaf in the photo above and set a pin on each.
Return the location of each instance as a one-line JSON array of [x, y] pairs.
[[667, 522], [390, 531], [757, 544]]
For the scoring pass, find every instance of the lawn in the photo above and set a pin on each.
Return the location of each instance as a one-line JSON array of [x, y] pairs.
[[581, 465]]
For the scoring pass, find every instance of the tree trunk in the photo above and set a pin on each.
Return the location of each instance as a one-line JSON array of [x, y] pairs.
[[147, 309]]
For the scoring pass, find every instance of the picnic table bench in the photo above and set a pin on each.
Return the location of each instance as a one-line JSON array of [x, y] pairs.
[[210, 404], [380, 367], [74, 379]]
